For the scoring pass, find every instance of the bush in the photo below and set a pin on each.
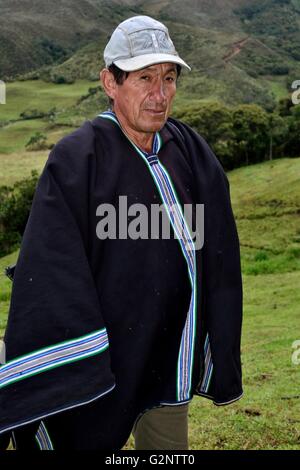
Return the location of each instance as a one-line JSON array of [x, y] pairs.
[[245, 134], [62, 79], [92, 91], [32, 114], [51, 50], [15, 204], [291, 143], [38, 142], [238, 135], [36, 114]]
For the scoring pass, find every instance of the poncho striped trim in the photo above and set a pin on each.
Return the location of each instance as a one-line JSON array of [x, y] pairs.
[[43, 439], [174, 211], [208, 367], [54, 356]]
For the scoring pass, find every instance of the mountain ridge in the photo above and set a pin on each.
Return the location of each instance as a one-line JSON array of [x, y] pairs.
[[257, 40]]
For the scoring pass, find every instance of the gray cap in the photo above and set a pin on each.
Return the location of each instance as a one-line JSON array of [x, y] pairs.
[[139, 42]]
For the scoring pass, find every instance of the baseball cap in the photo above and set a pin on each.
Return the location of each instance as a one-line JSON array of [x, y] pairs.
[[139, 42]]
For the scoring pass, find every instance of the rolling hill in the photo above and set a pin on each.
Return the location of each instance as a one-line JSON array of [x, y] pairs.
[[230, 44]]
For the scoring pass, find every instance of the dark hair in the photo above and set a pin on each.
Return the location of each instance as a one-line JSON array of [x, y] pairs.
[[120, 76]]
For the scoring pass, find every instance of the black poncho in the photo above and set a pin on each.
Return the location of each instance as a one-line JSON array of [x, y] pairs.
[[102, 330]]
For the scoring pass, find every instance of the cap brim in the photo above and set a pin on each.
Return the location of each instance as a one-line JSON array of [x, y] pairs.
[[142, 61]]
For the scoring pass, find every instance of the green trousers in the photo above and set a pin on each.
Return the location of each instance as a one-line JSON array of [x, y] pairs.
[[164, 428]]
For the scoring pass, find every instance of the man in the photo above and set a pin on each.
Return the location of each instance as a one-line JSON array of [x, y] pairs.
[[111, 330]]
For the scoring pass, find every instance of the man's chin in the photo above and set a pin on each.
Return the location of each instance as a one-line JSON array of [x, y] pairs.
[[154, 125]]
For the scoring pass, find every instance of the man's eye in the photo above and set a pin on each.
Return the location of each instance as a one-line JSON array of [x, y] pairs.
[[171, 79], [145, 77]]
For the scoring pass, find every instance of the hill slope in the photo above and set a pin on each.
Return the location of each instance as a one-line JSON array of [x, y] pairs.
[[37, 32], [253, 40]]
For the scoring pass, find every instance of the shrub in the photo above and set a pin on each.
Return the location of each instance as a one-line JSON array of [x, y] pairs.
[[15, 204], [32, 114], [37, 142], [62, 79]]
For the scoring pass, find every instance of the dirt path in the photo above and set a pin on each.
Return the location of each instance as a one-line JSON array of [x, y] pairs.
[[236, 49]]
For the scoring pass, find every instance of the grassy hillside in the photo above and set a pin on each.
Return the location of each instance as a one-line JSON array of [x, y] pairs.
[[266, 203], [37, 32], [240, 51], [21, 96], [43, 97], [212, 77]]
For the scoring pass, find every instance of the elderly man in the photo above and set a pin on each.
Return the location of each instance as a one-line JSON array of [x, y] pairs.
[[112, 330]]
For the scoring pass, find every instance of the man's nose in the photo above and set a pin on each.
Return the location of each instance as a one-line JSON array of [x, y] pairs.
[[159, 92]]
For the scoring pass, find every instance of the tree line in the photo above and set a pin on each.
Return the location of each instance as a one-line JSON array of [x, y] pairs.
[[246, 134]]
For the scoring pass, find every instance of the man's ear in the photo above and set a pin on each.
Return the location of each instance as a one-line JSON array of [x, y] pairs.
[[108, 83]]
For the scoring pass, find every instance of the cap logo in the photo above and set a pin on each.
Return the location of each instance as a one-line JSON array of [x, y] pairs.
[[163, 40], [155, 43]]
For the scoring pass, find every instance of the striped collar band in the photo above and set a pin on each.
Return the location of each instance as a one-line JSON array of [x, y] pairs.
[[157, 141]]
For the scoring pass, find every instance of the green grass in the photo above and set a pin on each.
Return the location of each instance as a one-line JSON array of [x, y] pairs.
[[37, 94], [16, 162], [266, 203], [15, 136], [18, 165], [278, 87]]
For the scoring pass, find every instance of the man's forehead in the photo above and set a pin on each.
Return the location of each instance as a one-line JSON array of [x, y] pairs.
[[168, 66]]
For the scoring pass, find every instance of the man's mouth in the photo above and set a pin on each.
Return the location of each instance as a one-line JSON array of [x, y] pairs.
[[156, 112]]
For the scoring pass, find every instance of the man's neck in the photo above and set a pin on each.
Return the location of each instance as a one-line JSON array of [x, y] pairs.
[[143, 140]]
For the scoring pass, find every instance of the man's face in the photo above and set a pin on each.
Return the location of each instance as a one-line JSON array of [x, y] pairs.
[[144, 99]]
